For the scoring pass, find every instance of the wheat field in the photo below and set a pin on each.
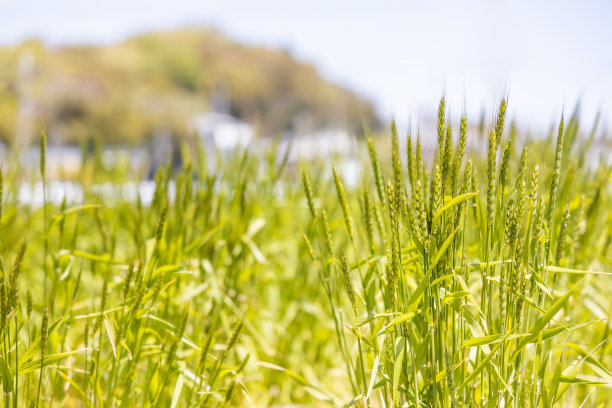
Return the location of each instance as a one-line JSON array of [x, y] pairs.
[[479, 275]]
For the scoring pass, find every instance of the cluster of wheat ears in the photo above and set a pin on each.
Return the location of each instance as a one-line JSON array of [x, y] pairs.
[[463, 279]]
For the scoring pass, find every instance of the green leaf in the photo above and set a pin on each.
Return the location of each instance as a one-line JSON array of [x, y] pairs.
[[584, 381], [573, 371], [257, 254], [416, 296], [500, 378], [375, 366], [198, 243], [554, 385], [455, 201], [482, 265], [177, 269], [454, 296], [255, 226], [443, 278], [406, 317], [97, 258], [539, 325], [35, 346], [558, 269], [400, 349], [595, 364], [111, 336], [493, 338], [465, 288], [555, 331], [295, 376], [483, 363], [7, 375], [76, 387], [72, 210], [32, 366], [177, 390]]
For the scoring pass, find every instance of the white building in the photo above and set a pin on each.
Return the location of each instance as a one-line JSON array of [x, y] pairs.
[[331, 146], [320, 144], [222, 131]]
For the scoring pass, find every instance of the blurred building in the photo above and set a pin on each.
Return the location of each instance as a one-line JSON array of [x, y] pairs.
[[320, 144], [62, 161], [221, 131], [337, 146]]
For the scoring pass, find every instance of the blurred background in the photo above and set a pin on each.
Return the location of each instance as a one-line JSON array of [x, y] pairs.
[[142, 76]]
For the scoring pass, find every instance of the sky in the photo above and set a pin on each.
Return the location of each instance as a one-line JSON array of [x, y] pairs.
[[402, 55]]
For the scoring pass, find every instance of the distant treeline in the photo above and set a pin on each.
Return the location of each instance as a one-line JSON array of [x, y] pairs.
[[159, 80]]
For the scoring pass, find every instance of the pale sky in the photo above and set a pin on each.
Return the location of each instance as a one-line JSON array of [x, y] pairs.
[[402, 55]]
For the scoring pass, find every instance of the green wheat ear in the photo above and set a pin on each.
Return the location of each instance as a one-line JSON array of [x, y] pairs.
[[441, 124], [14, 277], [554, 183], [343, 203], [310, 249], [398, 174], [309, 195], [435, 201], [419, 160], [421, 213], [204, 352], [348, 280], [391, 203], [128, 281], [465, 188], [44, 336], [535, 180], [450, 379], [159, 282], [376, 168], [103, 299], [523, 164], [562, 235], [499, 123], [177, 339], [327, 234], [462, 137], [539, 222], [234, 338], [368, 219], [159, 232], [29, 304], [491, 170], [411, 160], [456, 164], [504, 170], [447, 156], [43, 153]]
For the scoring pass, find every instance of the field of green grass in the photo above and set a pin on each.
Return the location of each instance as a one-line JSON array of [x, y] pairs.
[[478, 276]]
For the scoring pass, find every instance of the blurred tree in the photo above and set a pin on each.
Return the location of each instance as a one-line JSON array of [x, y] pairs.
[[126, 91]]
